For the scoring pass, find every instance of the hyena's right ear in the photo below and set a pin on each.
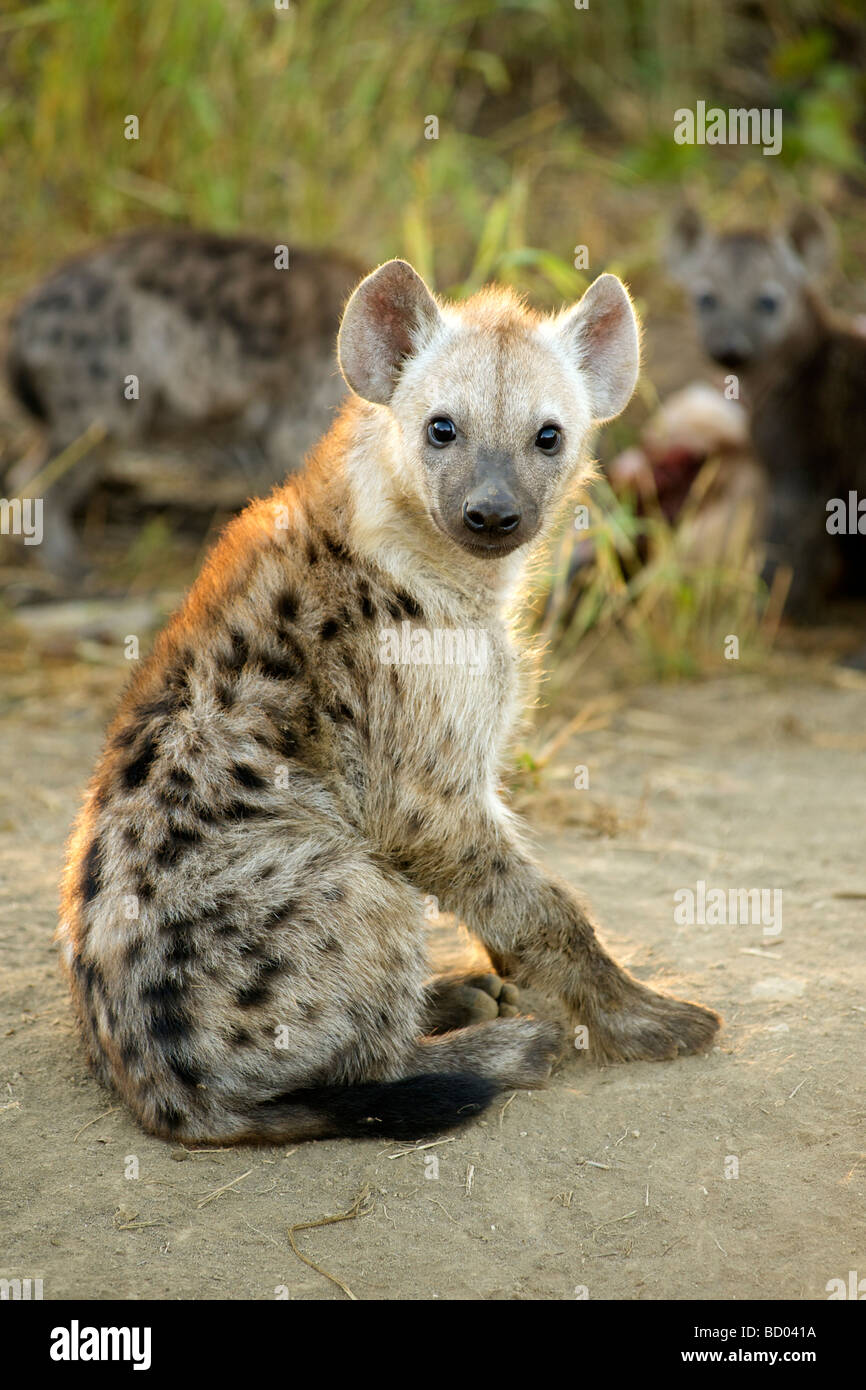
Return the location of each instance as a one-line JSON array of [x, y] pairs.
[[685, 234], [387, 318]]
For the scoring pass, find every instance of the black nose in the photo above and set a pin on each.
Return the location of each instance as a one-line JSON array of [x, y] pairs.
[[731, 357], [491, 509]]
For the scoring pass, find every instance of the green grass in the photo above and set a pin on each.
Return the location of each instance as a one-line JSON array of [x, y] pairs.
[[555, 130], [674, 613], [310, 122]]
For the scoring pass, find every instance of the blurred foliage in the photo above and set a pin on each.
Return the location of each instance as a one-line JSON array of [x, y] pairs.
[[307, 122], [644, 585]]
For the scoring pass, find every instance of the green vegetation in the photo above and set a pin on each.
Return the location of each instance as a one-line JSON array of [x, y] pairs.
[[555, 130], [643, 586], [310, 121]]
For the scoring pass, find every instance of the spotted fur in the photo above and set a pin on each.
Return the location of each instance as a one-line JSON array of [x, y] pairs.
[[223, 342], [243, 902]]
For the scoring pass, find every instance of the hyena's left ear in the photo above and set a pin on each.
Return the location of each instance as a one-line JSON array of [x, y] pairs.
[[811, 235], [387, 318], [600, 335]]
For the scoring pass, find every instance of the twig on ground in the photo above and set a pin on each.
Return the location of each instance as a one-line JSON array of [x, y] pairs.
[[357, 1209]]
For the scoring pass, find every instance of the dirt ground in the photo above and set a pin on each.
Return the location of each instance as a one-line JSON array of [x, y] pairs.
[[612, 1183]]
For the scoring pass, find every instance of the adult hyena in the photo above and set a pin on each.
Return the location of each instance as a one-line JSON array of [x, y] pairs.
[[760, 314], [170, 333]]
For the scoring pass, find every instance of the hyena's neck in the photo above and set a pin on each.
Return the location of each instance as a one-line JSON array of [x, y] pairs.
[[390, 526]]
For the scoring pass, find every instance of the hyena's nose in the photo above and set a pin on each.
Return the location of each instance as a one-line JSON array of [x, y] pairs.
[[491, 509], [731, 352], [729, 357]]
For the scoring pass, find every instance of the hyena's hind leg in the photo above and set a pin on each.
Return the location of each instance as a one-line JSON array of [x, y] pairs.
[[309, 1020]]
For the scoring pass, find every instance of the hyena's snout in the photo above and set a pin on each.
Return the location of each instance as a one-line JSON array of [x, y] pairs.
[[731, 350], [494, 512], [491, 509]]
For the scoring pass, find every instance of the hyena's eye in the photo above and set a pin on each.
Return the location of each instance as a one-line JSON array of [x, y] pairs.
[[441, 431], [706, 301], [548, 439], [766, 303]]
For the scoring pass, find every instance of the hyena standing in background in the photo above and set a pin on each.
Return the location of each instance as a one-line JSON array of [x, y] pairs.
[[760, 314], [168, 332], [243, 907]]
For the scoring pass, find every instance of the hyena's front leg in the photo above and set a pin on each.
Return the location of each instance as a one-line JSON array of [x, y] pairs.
[[537, 931]]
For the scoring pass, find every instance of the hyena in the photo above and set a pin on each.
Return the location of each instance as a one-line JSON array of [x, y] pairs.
[[760, 314], [167, 332], [244, 898]]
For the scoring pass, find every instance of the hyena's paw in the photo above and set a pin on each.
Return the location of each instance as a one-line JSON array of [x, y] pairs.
[[511, 1052], [522, 1051], [646, 1026], [458, 1001]]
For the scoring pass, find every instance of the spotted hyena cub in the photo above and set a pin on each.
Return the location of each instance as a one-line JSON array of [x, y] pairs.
[[803, 372], [287, 780], [169, 332]]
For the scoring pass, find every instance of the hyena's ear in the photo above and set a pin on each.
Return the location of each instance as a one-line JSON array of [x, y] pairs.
[[387, 318], [600, 335], [811, 236], [684, 235]]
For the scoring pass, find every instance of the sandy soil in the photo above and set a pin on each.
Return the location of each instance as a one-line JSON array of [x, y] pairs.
[[610, 1183]]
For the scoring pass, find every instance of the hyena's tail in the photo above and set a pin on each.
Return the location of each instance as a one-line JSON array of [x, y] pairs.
[[450, 1079], [416, 1107]]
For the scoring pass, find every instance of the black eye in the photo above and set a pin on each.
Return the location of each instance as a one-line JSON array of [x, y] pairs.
[[548, 439], [766, 303], [441, 431], [706, 301]]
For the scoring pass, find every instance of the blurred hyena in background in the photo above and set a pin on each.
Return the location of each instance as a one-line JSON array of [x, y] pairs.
[[168, 335], [761, 315]]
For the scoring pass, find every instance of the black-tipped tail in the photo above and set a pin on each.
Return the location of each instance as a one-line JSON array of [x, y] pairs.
[[417, 1107]]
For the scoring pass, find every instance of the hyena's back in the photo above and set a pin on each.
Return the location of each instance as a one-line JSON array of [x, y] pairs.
[[243, 965], [209, 325]]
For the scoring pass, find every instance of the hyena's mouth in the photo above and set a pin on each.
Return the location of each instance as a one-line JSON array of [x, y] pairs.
[[493, 551], [490, 549]]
